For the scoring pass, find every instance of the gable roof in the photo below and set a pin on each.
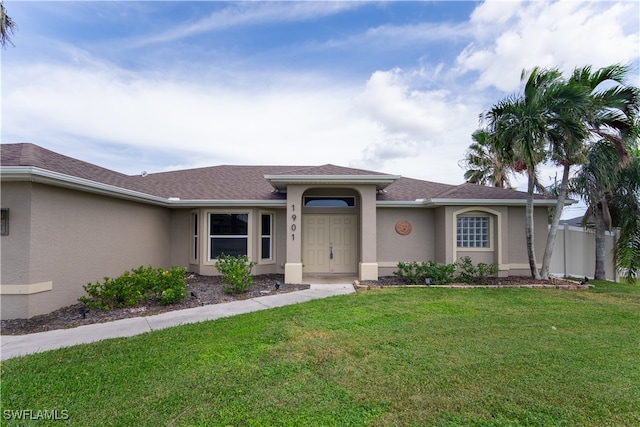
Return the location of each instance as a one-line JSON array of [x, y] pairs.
[[233, 183]]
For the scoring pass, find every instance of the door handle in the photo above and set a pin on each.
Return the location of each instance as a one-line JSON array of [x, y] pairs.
[[331, 251]]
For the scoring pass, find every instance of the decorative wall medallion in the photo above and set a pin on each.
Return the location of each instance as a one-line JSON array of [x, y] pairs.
[[403, 228]]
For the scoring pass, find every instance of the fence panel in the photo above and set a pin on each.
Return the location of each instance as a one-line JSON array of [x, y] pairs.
[[574, 253]]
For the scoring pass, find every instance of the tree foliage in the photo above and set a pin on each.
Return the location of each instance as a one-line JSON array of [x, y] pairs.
[[557, 120], [540, 124], [7, 26]]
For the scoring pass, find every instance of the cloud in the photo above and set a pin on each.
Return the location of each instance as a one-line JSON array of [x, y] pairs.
[[414, 117], [512, 36], [415, 122], [271, 121], [240, 14]]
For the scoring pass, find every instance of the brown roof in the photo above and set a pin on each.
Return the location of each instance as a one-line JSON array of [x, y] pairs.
[[232, 182], [25, 154], [325, 170]]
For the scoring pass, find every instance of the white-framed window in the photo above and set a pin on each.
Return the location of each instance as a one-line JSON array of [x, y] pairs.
[[266, 236], [195, 241], [228, 234], [472, 232]]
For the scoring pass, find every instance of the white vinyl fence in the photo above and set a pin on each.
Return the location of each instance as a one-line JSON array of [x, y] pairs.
[[574, 253]]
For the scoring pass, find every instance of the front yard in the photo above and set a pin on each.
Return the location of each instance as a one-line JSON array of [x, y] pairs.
[[396, 356]]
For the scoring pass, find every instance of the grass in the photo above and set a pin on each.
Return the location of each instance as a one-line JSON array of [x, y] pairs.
[[408, 356]]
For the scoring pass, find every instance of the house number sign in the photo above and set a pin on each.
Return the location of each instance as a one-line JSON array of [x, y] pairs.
[[293, 226]]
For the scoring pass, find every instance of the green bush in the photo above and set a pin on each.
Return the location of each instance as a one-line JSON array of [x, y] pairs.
[[135, 286], [470, 273], [416, 273], [467, 270], [236, 272]]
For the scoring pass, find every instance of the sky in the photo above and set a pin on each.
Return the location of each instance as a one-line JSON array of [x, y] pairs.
[[395, 87]]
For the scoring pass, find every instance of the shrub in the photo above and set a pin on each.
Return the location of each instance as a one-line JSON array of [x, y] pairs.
[[236, 272], [171, 286], [467, 270], [135, 286], [416, 273], [470, 273]]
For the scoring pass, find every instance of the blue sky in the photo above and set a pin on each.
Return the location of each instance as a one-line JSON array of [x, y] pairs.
[[390, 86]]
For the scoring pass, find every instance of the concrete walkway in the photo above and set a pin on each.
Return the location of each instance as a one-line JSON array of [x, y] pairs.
[[19, 345]]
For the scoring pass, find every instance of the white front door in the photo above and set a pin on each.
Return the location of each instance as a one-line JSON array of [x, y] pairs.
[[329, 243]]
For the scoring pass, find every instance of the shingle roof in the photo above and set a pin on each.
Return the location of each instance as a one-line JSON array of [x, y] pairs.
[[233, 182], [25, 154]]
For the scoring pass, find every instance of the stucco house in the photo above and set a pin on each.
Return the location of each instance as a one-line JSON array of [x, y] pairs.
[[66, 222]]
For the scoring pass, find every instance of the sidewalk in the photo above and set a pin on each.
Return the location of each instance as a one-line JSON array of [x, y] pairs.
[[19, 345]]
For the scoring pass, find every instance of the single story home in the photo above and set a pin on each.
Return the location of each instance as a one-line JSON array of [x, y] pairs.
[[66, 222]]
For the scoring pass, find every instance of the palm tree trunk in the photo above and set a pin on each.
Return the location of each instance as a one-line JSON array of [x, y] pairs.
[[555, 221], [600, 272], [529, 225]]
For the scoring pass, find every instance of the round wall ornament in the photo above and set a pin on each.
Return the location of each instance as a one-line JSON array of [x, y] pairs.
[[403, 228]]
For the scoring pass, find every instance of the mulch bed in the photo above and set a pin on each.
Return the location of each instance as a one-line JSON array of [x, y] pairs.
[[201, 290], [204, 290]]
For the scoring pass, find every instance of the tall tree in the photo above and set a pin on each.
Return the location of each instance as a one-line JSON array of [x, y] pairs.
[[595, 182], [484, 164], [608, 113], [625, 207], [613, 198], [546, 114], [7, 26], [556, 120], [612, 120]]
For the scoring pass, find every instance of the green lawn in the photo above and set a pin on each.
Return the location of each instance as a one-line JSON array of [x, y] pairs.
[[393, 357]]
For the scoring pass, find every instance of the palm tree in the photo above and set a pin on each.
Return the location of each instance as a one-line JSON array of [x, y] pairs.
[[594, 183], [613, 198], [7, 26], [614, 106], [610, 106], [485, 165], [547, 113], [612, 119], [625, 208]]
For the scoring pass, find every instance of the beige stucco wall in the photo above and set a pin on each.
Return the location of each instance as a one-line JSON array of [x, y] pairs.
[[433, 237], [516, 257], [75, 238], [419, 245], [443, 245], [15, 248]]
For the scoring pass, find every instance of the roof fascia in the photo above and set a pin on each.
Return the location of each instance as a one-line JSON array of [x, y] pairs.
[[493, 202], [427, 203], [177, 203], [400, 204], [43, 176], [280, 182]]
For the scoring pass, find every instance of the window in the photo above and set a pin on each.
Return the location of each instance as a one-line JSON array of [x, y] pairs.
[[329, 202], [4, 222], [228, 234], [473, 232], [266, 237], [194, 236]]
